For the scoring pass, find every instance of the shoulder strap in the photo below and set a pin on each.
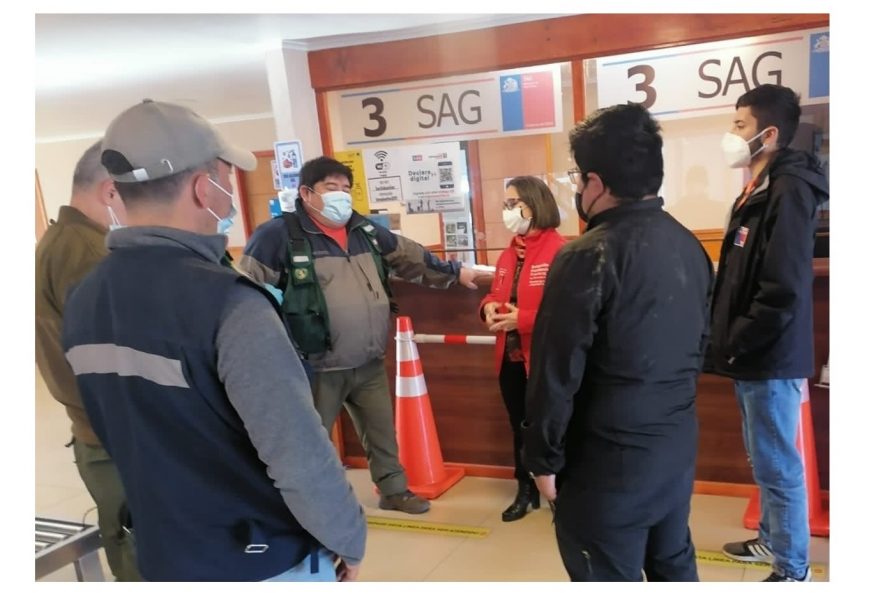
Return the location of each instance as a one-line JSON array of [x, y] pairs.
[[381, 265], [299, 245], [297, 239]]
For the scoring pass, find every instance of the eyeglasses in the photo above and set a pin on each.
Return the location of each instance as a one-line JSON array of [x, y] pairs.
[[574, 175], [510, 204]]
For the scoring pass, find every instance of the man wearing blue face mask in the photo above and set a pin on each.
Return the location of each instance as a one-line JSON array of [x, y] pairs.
[[191, 381], [332, 265]]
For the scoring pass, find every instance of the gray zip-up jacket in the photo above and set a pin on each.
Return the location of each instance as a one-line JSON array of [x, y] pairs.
[[358, 306]]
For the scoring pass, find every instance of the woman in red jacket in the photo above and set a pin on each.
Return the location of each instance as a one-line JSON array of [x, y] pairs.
[[531, 213]]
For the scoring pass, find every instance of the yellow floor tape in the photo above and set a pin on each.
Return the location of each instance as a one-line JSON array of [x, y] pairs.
[[390, 523], [705, 557], [716, 558]]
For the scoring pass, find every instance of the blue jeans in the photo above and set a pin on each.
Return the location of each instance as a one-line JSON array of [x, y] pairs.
[[770, 414], [302, 571]]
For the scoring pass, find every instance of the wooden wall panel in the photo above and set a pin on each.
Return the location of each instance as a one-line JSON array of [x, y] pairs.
[[462, 381], [477, 198], [711, 240], [536, 42], [257, 189]]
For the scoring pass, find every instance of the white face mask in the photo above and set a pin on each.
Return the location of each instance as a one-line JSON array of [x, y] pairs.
[[515, 222], [737, 151]]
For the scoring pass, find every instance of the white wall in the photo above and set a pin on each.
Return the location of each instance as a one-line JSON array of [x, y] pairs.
[[55, 163], [254, 135]]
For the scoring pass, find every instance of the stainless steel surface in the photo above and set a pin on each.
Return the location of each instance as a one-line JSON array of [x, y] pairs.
[[58, 543]]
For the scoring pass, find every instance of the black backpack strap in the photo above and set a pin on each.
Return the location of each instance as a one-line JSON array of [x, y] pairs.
[[298, 241], [384, 270]]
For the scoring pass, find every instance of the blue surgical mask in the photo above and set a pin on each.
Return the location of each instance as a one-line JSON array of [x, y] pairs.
[[115, 225], [337, 206], [223, 224]]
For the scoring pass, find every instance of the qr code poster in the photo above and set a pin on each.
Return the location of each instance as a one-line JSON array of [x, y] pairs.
[[432, 178]]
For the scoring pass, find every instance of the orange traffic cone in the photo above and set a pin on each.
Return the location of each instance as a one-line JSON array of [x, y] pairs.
[[417, 438], [817, 509]]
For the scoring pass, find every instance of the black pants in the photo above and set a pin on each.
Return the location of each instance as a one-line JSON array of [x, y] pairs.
[[513, 382], [612, 552]]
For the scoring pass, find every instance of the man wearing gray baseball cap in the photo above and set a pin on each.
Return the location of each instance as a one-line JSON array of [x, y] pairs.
[[191, 382]]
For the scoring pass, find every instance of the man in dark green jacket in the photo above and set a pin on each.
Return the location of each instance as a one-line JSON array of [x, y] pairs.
[[69, 250], [332, 264]]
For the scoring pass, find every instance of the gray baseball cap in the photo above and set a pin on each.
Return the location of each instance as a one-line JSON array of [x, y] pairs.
[[154, 139]]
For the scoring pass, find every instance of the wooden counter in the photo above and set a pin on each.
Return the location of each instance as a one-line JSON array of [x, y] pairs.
[[473, 427]]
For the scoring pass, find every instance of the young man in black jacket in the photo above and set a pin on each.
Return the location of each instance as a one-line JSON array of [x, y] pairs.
[[611, 431], [762, 316]]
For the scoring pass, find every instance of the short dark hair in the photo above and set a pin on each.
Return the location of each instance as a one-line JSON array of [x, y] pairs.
[[320, 168], [774, 105], [534, 193], [162, 190], [622, 144], [89, 169]]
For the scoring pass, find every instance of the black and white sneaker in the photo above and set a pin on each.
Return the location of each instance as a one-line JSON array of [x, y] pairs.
[[777, 577], [750, 551]]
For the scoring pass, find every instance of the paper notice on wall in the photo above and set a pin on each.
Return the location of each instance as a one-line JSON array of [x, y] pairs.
[[433, 180], [277, 182], [425, 178], [289, 159], [457, 231], [385, 189]]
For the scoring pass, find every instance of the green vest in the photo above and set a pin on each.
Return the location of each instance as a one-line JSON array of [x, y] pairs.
[[304, 305]]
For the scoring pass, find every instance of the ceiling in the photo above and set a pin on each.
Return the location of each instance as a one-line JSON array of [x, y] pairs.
[[89, 67]]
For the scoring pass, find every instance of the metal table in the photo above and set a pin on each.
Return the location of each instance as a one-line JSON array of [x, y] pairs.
[[59, 543]]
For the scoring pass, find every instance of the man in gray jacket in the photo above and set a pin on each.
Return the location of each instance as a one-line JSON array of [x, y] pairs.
[[332, 265], [191, 382]]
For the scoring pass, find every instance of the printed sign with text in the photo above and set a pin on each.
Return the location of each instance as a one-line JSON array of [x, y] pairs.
[[703, 79], [511, 102]]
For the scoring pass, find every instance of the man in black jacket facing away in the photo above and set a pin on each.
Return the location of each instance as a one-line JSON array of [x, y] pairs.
[[611, 433], [762, 316]]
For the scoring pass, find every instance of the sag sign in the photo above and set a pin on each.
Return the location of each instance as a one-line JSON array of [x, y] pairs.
[[716, 76], [432, 111]]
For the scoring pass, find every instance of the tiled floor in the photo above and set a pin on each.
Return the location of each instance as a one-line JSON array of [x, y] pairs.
[[423, 556]]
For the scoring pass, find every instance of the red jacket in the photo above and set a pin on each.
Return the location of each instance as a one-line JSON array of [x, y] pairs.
[[539, 252]]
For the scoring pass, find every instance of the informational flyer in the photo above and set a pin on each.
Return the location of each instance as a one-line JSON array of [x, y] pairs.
[[385, 189], [425, 178], [459, 236], [289, 160]]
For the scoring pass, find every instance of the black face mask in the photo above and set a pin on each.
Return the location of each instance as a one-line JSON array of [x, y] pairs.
[[578, 200]]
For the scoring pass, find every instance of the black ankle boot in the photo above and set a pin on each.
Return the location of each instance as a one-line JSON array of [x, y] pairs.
[[527, 495]]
